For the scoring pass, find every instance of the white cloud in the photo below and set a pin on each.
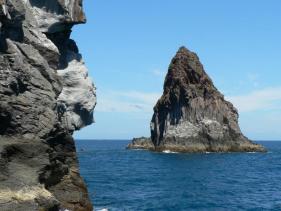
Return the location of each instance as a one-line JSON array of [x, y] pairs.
[[136, 101], [265, 99], [130, 101], [158, 72], [145, 97]]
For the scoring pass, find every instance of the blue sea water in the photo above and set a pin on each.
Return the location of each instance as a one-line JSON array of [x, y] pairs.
[[120, 179]]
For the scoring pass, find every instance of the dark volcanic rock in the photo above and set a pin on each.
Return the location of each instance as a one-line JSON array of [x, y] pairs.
[[45, 95], [141, 143], [192, 115]]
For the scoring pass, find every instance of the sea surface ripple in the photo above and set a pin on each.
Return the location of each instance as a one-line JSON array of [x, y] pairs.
[[120, 179]]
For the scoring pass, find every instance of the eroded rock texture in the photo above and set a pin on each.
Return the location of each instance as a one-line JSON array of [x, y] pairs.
[[141, 143], [192, 115], [45, 94]]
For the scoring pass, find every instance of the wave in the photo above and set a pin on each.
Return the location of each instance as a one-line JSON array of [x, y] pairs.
[[169, 152]]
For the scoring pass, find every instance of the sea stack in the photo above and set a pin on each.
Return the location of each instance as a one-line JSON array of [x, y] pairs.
[[192, 115], [45, 95]]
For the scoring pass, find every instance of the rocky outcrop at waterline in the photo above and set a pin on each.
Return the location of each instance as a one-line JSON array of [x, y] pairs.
[[141, 143], [45, 95], [192, 115]]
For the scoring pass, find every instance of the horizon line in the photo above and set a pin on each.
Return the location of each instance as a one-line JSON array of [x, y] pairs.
[[97, 139]]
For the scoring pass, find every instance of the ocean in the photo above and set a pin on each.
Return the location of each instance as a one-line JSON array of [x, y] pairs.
[[120, 179]]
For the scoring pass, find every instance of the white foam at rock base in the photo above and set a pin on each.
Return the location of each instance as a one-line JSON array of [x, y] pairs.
[[169, 152]]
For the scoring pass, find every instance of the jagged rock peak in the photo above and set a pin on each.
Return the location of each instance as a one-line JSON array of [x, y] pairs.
[[189, 63], [184, 71], [192, 114]]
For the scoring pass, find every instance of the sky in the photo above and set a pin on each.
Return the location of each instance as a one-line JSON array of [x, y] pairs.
[[127, 46]]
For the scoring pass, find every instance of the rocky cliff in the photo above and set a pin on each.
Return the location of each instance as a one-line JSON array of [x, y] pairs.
[[192, 115], [45, 95]]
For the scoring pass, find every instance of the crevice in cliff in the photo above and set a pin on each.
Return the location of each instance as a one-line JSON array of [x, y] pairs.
[[61, 39], [5, 119], [18, 86], [51, 6], [11, 25]]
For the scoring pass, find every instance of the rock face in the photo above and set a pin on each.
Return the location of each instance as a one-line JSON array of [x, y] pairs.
[[45, 95], [192, 115], [141, 143]]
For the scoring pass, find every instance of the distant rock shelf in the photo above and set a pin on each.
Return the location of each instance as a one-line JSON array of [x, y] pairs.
[[192, 115], [141, 143]]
